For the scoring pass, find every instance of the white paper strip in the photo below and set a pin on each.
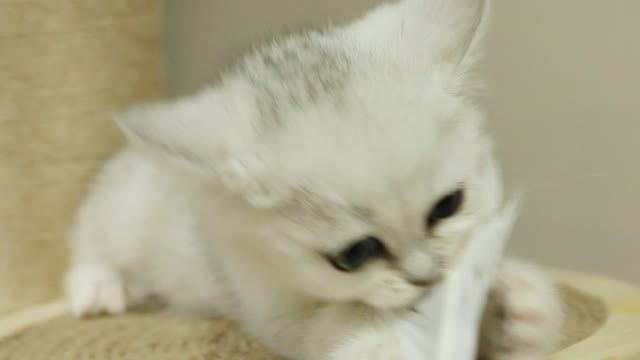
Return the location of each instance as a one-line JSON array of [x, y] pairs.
[[445, 325]]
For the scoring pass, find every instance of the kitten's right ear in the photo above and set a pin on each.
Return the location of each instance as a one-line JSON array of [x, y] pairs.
[[200, 131], [213, 133]]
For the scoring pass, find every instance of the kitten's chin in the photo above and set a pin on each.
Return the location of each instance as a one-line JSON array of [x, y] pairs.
[[392, 303]]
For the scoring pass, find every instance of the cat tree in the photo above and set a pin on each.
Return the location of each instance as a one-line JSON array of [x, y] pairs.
[[64, 66]]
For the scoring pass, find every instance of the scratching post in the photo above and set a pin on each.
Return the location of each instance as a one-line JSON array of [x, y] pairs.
[[64, 66]]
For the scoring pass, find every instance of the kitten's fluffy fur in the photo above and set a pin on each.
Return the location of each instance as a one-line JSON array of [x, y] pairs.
[[228, 201]]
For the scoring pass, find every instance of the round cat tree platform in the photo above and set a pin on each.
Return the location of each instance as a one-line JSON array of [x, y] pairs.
[[603, 323]]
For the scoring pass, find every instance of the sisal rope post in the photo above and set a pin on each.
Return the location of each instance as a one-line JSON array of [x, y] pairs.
[[64, 66]]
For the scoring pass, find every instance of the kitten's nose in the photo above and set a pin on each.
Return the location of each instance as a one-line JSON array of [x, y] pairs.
[[420, 269]]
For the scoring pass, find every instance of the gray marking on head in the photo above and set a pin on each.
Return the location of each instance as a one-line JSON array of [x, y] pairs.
[[296, 71]]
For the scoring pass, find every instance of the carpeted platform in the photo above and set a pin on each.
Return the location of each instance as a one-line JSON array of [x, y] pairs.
[[153, 336]]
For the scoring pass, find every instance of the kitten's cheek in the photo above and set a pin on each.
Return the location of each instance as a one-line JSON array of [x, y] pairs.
[[390, 290]]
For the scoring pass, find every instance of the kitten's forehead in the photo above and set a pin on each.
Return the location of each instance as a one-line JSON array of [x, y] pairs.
[[296, 72], [376, 142], [381, 182]]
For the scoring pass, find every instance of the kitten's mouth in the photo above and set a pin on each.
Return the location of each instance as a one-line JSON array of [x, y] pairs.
[[428, 282], [426, 285]]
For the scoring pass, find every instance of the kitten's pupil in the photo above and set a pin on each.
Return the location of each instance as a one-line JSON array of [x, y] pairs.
[[357, 254], [445, 208]]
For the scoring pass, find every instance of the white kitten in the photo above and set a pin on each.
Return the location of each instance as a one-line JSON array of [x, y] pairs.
[[313, 194]]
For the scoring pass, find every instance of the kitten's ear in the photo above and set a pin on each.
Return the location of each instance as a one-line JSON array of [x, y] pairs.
[[198, 131], [428, 31], [455, 30], [464, 23], [212, 134]]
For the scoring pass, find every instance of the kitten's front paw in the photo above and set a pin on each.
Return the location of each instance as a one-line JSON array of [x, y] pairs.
[[524, 315], [371, 345], [94, 290]]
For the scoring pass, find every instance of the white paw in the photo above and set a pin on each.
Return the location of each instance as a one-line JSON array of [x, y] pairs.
[[524, 317], [392, 291], [94, 290], [371, 345]]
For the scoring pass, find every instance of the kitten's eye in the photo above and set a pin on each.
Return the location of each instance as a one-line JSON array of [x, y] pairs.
[[357, 254], [446, 208]]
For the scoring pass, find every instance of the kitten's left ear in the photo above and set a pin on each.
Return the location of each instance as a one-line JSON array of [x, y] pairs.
[[471, 33], [427, 31], [457, 28]]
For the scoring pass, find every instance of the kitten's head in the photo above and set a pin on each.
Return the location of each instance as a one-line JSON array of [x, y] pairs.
[[351, 163]]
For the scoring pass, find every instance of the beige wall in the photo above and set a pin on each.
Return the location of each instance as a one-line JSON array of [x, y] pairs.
[[564, 82]]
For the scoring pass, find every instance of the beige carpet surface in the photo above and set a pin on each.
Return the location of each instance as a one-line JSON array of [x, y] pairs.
[[159, 337]]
